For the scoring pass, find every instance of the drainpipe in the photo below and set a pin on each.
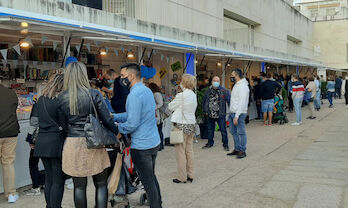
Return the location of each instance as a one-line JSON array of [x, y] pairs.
[[223, 76]]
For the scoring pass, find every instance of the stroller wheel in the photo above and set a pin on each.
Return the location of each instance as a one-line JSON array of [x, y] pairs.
[[286, 120], [143, 199]]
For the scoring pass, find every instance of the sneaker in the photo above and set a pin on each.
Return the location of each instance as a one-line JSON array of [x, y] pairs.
[[347, 106], [235, 152], [33, 192], [226, 148], [295, 124], [12, 198], [69, 184], [241, 155], [195, 141], [207, 146]]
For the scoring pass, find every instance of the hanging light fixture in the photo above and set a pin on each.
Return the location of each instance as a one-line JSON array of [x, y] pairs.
[[196, 61], [103, 52], [24, 44], [228, 64], [130, 55], [24, 31], [219, 63], [24, 24]]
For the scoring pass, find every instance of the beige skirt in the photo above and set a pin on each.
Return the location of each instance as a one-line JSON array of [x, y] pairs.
[[78, 161]]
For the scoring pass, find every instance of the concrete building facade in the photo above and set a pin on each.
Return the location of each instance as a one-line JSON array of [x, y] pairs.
[[261, 24], [319, 10], [331, 38], [252, 26], [330, 30]]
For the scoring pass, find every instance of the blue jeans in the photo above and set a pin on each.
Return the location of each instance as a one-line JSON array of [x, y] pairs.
[[317, 100], [267, 105], [238, 132], [211, 129], [298, 109], [329, 96]]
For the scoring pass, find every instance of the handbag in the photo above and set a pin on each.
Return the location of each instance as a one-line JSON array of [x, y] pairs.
[[177, 135], [97, 136], [31, 138]]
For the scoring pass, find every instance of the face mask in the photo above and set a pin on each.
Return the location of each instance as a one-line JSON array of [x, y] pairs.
[[233, 79], [125, 82], [216, 84], [111, 81]]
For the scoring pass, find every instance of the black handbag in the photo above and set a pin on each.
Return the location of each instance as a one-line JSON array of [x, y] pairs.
[[31, 138], [97, 136]]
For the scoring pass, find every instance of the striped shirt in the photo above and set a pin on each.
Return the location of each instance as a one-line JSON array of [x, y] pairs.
[[297, 90]]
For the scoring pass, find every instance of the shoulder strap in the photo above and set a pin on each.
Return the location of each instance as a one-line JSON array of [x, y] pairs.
[[183, 105], [52, 120], [92, 102]]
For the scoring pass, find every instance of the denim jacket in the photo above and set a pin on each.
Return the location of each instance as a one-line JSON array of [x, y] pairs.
[[225, 97]]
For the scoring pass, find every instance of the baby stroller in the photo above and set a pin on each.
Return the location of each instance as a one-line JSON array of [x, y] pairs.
[[279, 115], [125, 178]]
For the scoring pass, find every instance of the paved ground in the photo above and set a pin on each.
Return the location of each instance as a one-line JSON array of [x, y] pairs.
[[287, 166]]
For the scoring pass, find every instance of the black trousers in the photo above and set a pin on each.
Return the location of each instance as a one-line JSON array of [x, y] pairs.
[[112, 156], [346, 97], [101, 190], [36, 177], [54, 184], [144, 162], [259, 110], [291, 102], [203, 128]]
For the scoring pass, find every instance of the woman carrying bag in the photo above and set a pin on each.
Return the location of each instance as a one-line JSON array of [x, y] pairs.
[[184, 106], [50, 140], [79, 105]]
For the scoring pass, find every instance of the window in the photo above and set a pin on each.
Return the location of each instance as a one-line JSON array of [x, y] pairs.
[[330, 11], [314, 13], [236, 31]]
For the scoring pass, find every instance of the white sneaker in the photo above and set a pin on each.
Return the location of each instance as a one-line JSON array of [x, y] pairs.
[[195, 141], [12, 198], [295, 124], [347, 106], [69, 184], [33, 192]]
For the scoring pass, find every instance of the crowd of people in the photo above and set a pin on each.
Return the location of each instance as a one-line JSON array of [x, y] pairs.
[[129, 108]]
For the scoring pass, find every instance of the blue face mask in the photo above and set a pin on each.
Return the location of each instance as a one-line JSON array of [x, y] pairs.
[[216, 84], [111, 81]]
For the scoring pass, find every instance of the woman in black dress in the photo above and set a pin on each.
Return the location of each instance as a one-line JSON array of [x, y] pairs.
[[50, 141]]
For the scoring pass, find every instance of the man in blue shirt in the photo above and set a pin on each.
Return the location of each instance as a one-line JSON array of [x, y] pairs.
[[140, 122]]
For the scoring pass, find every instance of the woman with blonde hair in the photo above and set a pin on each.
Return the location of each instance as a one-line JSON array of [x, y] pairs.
[[184, 106], [75, 104], [50, 140]]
